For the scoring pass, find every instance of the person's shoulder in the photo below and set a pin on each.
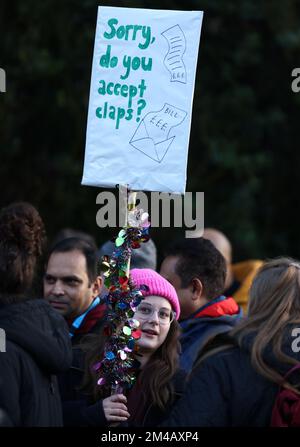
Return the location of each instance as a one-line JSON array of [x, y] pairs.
[[10, 350], [221, 363], [229, 355], [11, 360]]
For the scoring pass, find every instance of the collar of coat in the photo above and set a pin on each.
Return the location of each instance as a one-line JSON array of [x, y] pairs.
[[218, 307], [89, 321]]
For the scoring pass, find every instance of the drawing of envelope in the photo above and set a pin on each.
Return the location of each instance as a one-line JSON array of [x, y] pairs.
[[152, 137]]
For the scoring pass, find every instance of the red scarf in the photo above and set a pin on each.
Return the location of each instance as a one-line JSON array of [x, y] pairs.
[[90, 320]]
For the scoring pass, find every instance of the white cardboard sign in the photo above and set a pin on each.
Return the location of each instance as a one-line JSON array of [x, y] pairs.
[[140, 107]]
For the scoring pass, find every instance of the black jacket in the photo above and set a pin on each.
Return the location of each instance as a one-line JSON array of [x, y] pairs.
[[154, 415], [81, 413], [70, 381], [37, 348], [225, 390]]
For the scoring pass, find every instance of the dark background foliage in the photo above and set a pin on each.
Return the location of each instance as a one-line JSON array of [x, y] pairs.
[[244, 139]]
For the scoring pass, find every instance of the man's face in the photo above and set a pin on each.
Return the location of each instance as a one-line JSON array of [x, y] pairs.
[[168, 271], [66, 284]]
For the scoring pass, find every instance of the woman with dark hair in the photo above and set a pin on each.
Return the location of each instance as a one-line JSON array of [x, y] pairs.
[[159, 382], [236, 381], [36, 341]]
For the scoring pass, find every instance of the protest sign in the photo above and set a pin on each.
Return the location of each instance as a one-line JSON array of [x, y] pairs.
[[140, 107]]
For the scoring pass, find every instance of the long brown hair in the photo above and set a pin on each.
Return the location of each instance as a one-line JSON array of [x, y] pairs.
[[22, 239], [155, 377], [274, 307], [157, 374]]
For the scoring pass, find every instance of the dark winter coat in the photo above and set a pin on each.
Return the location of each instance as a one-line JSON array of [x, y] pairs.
[[81, 413], [70, 382], [37, 348], [225, 390], [218, 316]]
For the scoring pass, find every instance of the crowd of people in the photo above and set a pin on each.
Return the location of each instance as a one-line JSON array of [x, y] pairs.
[[217, 345]]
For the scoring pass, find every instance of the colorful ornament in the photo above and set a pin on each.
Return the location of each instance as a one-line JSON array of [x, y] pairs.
[[117, 370]]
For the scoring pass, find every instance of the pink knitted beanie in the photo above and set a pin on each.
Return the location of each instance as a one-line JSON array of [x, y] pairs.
[[158, 286]]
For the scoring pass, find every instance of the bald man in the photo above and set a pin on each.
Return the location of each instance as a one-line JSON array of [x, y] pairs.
[[221, 242], [239, 276]]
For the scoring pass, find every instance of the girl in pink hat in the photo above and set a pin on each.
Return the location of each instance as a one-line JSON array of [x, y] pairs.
[[159, 381]]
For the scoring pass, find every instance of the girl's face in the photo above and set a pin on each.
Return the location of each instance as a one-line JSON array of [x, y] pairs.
[[155, 315]]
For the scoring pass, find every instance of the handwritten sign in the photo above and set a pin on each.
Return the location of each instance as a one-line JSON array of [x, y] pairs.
[[141, 93]]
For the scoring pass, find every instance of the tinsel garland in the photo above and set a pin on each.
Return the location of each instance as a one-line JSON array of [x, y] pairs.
[[116, 371]]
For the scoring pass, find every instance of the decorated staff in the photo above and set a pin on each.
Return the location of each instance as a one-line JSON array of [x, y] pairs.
[[116, 370]]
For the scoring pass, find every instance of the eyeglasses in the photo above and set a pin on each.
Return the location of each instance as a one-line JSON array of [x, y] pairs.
[[146, 310]]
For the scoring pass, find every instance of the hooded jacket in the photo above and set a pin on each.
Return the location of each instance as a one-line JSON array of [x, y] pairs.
[[218, 316], [37, 348], [226, 391]]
